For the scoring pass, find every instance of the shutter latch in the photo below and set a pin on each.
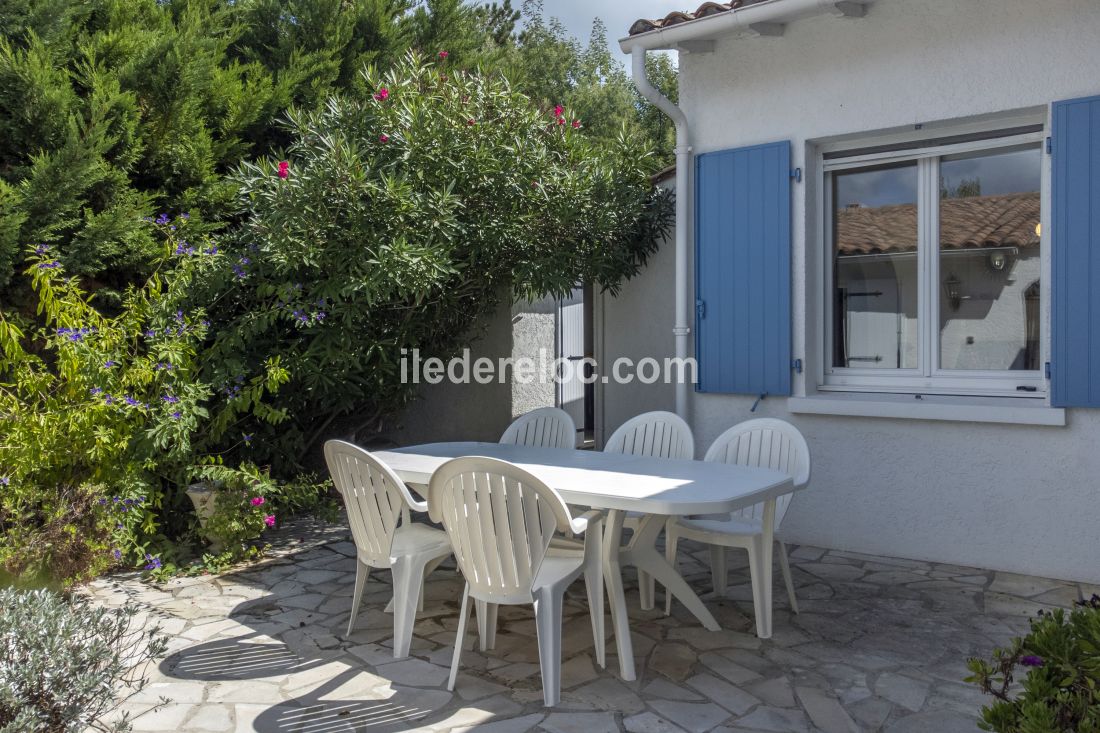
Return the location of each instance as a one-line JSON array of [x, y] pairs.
[[796, 174], [1050, 145], [797, 366], [700, 309], [1046, 369]]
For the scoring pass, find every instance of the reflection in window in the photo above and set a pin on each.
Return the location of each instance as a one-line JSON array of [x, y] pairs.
[[989, 260], [875, 281]]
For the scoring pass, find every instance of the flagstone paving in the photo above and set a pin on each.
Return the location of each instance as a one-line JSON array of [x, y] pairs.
[[880, 645]]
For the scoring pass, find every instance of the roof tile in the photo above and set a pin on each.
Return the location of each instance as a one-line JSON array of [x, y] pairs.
[[644, 25]]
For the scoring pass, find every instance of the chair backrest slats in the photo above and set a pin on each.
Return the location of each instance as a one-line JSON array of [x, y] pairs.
[[375, 498], [500, 519], [546, 427], [657, 434], [765, 443]]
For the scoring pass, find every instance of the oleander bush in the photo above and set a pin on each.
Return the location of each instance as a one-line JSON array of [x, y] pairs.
[[1049, 680], [399, 220], [64, 663]]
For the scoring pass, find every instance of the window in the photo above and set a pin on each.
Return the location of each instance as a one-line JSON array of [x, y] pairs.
[[933, 275]]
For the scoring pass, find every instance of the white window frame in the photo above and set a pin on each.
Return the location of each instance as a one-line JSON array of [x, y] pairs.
[[929, 378]]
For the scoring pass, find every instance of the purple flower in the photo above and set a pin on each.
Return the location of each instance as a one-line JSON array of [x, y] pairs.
[[179, 316], [177, 415], [211, 250], [132, 402], [246, 261], [117, 553], [239, 272], [162, 219], [183, 248], [153, 562], [1031, 660], [95, 391], [185, 216], [247, 439], [150, 333], [320, 316], [170, 399], [109, 400], [41, 249], [109, 363], [49, 265], [4, 480]]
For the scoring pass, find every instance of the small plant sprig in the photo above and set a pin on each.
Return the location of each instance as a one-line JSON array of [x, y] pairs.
[[1059, 688]]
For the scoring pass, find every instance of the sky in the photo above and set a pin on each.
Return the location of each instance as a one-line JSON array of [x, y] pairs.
[[577, 15]]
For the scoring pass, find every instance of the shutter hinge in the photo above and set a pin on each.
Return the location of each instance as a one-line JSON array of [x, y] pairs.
[[700, 309], [759, 399], [1046, 370], [1050, 145], [796, 174], [797, 366]]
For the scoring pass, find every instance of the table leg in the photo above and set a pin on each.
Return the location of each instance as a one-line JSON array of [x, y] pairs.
[[642, 553], [764, 614], [613, 579]]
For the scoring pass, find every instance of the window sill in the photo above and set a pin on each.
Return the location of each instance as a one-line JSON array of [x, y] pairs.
[[1012, 410]]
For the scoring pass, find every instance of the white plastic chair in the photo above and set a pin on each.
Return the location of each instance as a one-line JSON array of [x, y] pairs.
[[546, 427], [501, 520], [378, 505], [762, 443], [657, 434]]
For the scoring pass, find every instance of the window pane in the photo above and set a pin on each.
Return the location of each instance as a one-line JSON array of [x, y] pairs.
[[989, 260], [875, 281]]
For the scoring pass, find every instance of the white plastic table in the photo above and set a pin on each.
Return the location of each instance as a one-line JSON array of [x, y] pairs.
[[656, 487]]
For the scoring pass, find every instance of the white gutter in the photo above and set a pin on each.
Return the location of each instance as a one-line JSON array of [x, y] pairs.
[[764, 18], [741, 20], [681, 329]]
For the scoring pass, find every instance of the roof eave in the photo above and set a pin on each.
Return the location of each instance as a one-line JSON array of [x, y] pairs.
[[739, 20]]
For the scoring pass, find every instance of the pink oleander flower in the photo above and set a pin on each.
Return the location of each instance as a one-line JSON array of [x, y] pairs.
[[561, 120], [576, 124], [269, 520], [558, 110], [443, 54], [471, 121], [284, 169], [257, 500], [383, 138], [382, 95]]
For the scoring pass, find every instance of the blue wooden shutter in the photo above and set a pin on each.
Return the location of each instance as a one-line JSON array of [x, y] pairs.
[[1075, 255], [743, 270]]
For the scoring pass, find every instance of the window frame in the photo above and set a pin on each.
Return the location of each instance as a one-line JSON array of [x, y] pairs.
[[928, 378]]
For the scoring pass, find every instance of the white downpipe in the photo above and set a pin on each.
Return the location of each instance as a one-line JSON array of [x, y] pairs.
[[682, 329], [771, 11]]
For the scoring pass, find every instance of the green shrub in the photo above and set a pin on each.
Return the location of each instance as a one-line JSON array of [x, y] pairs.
[[1060, 689], [101, 417], [400, 220], [63, 664], [113, 109]]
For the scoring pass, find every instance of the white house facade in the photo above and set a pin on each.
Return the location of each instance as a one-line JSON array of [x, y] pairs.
[[877, 213]]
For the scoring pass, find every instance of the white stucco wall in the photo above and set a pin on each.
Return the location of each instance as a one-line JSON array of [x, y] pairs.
[[1008, 497], [450, 412]]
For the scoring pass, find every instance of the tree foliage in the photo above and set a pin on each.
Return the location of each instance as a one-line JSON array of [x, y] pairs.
[[399, 220], [111, 110]]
